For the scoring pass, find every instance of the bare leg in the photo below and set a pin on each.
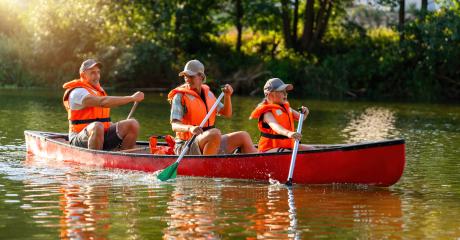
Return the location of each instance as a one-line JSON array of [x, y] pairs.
[[272, 150], [241, 140], [128, 131], [305, 147], [302, 147], [96, 135], [209, 141]]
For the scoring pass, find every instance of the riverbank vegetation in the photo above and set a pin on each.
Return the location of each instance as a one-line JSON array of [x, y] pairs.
[[327, 48]]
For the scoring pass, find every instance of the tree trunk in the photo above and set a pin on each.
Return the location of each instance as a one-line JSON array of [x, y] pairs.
[[238, 23], [308, 24], [424, 5], [285, 15], [323, 22], [402, 11], [177, 30], [319, 23], [294, 26], [424, 9]]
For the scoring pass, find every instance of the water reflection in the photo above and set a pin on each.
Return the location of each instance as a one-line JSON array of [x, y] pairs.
[[292, 214], [98, 204], [84, 212], [276, 215], [60, 198], [374, 123], [373, 214], [192, 212], [46, 200], [276, 212]]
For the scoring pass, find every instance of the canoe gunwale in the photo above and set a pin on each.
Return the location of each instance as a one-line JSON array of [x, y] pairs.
[[50, 136], [379, 163]]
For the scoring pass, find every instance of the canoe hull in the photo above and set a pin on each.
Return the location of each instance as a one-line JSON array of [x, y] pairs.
[[378, 163]]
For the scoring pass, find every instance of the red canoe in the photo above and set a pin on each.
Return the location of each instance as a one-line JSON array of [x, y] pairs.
[[374, 163]]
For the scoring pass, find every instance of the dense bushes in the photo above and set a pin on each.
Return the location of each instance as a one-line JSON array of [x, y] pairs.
[[142, 45], [422, 66]]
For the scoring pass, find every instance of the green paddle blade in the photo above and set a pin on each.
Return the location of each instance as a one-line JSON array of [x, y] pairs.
[[169, 172], [174, 173]]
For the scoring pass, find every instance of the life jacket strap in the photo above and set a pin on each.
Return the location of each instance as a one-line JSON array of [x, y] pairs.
[[207, 128], [85, 121], [273, 136]]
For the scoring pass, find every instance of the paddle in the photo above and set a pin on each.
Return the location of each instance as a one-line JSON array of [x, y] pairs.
[[171, 171], [129, 116], [294, 151], [132, 110], [135, 149]]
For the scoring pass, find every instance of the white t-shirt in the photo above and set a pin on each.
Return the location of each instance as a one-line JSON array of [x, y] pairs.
[[76, 98]]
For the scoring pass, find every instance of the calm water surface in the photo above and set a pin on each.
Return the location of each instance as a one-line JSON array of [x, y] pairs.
[[48, 200]]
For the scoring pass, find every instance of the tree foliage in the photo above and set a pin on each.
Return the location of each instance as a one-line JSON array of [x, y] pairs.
[[312, 43]]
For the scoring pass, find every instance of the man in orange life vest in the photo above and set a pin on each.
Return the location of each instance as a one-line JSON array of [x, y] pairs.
[[88, 110], [190, 103]]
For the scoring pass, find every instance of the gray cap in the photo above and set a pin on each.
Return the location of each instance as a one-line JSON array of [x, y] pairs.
[[192, 68], [275, 84], [87, 64]]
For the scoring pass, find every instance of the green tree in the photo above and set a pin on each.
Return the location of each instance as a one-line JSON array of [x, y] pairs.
[[316, 17]]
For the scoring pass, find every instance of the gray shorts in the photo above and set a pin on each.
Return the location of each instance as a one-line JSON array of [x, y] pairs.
[[195, 148], [111, 138]]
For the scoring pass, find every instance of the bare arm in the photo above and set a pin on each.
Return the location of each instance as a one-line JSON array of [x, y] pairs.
[[296, 114], [178, 126], [111, 101], [227, 109], [271, 121]]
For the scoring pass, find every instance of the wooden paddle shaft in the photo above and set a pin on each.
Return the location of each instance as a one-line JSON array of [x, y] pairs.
[[132, 110], [134, 149]]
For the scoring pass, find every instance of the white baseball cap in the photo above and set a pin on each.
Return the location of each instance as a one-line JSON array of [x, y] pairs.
[[192, 68], [89, 63], [276, 84]]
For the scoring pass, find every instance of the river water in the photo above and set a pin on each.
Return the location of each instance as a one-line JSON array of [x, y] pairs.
[[47, 200]]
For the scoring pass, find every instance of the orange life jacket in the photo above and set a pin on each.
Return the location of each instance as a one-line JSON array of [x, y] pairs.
[[161, 149], [79, 119], [195, 108], [270, 139]]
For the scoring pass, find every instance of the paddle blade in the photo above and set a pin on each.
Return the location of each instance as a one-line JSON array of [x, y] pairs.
[[169, 172]]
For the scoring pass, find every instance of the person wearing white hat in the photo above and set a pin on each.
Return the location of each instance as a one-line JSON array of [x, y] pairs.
[[88, 108], [190, 103], [276, 119]]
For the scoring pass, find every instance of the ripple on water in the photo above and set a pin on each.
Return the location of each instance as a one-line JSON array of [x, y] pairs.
[[375, 123], [85, 202], [77, 199]]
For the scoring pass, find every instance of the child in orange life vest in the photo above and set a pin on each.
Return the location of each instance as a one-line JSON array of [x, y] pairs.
[[276, 118]]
